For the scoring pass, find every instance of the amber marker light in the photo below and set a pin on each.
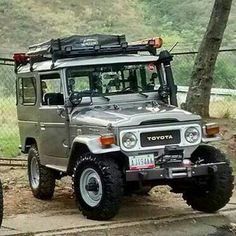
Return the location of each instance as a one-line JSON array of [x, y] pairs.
[[107, 140], [156, 42], [212, 129]]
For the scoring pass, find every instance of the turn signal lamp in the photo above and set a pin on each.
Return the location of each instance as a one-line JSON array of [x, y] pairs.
[[212, 129], [107, 140]]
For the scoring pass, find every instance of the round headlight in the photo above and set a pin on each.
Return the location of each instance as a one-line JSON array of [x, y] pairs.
[[192, 135], [129, 140]]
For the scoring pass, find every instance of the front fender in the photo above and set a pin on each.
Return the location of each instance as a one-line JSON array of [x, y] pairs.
[[92, 142]]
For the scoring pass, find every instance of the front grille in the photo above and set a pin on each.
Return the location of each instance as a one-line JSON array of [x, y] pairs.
[[158, 138]]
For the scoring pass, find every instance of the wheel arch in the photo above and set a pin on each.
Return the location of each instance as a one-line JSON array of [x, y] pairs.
[[76, 151], [29, 141], [79, 148]]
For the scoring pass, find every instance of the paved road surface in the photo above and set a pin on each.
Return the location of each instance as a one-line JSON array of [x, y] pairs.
[[135, 218]]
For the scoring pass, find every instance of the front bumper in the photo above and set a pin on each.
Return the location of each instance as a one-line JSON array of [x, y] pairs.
[[174, 173]]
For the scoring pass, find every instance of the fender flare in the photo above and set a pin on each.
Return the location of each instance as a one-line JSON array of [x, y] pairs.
[[84, 144], [93, 144]]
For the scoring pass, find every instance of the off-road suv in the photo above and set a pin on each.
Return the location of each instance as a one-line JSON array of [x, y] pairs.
[[105, 112]]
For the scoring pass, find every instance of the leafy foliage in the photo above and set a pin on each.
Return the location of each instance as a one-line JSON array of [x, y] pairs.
[[186, 19], [30, 21]]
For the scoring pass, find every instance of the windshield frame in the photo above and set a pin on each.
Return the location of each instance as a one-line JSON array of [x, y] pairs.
[[98, 67]]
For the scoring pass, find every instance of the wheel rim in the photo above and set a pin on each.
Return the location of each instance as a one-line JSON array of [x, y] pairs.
[[34, 173], [91, 187]]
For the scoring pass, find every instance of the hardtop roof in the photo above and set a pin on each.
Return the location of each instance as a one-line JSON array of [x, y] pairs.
[[88, 61]]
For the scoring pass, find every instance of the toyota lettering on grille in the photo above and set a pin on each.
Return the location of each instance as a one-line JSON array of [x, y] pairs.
[[153, 138], [158, 138]]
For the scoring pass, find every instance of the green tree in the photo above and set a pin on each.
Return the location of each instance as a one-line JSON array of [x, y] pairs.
[[198, 97]]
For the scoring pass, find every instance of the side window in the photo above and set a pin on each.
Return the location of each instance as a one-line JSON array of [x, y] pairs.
[[27, 91], [51, 89], [78, 81]]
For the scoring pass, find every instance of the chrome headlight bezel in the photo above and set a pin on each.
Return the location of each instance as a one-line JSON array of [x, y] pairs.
[[192, 135], [129, 140]]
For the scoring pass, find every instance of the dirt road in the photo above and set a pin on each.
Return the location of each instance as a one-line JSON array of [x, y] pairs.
[[138, 216], [159, 213]]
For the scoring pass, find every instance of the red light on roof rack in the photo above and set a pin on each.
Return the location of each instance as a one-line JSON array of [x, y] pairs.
[[20, 58]]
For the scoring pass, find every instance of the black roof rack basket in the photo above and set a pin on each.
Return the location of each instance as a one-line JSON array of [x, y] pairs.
[[86, 45], [75, 42]]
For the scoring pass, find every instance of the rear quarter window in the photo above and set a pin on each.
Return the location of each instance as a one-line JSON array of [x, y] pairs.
[[27, 91]]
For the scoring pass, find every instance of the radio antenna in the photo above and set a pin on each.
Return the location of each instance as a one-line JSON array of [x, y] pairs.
[[173, 46]]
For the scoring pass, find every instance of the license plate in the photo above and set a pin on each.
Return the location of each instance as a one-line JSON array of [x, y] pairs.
[[142, 162]]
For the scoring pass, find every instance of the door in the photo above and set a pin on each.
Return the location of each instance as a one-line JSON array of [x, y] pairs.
[[53, 127]]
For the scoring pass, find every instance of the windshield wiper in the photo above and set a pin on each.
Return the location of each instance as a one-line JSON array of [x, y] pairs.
[[106, 98], [143, 94], [139, 92], [131, 90], [100, 95], [92, 93]]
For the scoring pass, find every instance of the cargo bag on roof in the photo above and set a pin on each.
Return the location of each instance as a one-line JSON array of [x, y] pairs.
[[75, 42]]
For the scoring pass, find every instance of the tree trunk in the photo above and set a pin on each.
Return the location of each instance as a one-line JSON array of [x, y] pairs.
[[198, 97]]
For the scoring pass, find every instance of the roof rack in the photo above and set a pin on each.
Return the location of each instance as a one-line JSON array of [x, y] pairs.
[[80, 46]]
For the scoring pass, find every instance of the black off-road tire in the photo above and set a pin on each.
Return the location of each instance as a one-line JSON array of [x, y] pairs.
[[219, 187], [1, 203], [46, 186], [111, 182]]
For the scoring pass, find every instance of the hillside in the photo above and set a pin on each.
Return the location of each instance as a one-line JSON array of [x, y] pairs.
[[30, 21], [186, 19]]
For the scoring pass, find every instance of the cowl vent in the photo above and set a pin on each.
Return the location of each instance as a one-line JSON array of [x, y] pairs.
[[158, 122]]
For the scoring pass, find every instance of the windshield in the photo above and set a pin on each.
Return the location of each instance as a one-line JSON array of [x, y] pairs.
[[113, 79]]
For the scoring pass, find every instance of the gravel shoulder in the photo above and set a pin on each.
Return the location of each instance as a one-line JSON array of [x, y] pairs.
[[19, 200]]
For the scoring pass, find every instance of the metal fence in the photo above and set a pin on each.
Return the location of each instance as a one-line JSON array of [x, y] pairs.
[[223, 94], [223, 99]]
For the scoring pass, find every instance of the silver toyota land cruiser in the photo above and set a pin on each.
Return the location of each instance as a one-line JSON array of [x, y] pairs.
[[105, 112]]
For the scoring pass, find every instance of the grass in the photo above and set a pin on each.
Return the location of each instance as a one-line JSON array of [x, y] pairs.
[[28, 22], [9, 135], [9, 142], [36, 21], [225, 108]]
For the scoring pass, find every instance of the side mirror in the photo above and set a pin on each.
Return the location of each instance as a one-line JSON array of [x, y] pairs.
[[75, 98]]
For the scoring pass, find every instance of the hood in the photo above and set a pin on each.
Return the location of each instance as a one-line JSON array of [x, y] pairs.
[[132, 114]]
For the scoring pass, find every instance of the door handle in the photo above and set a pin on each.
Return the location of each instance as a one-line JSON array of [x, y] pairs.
[[42, 126]]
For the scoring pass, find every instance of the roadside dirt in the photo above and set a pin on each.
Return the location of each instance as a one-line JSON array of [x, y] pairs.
[[228, 130], [19, 199]]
